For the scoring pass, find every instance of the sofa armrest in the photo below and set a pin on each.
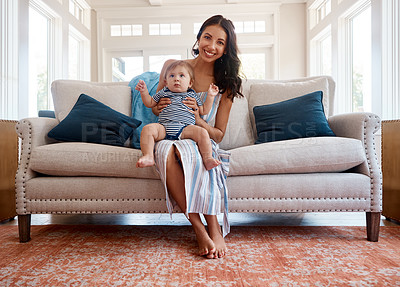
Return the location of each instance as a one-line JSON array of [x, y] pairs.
[[363, 126], [355, 125], [33, 133]]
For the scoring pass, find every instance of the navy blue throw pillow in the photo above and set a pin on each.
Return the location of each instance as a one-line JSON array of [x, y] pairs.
[[94, 122], [295, 118]]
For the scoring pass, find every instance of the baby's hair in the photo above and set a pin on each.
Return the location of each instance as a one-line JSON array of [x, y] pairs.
[[175, 64]]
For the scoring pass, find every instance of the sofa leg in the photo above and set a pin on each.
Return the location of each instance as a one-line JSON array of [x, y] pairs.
[[24, 227], [373, 224]]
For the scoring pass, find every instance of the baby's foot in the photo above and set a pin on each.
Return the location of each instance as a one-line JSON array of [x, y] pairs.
[[210, 163], [206, 245], [220, 246], [145, 161]]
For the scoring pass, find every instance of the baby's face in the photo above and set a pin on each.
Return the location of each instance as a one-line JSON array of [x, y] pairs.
[[178, 80]]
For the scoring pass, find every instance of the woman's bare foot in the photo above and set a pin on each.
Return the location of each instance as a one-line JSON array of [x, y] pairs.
[[220, 246], [215, 232], [145, 161], [210, 163], [206, 245]]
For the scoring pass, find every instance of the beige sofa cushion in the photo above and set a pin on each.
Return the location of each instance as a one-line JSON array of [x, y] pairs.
[[239, 130], [86, 159], [66, 92], [322, 154], [317, 154]]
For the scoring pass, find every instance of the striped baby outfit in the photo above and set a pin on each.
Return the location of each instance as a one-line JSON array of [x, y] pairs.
[[176, 115]]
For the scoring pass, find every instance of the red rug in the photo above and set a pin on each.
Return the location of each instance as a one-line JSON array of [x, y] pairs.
[[115, 255]]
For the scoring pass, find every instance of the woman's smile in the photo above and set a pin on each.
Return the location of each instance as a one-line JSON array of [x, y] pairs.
[[209, 53]]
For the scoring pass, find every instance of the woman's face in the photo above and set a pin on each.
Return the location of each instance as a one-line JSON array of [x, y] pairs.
[[212, 43]]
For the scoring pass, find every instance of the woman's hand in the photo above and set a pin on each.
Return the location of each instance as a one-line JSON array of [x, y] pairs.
[[164, 102], [192, 104]]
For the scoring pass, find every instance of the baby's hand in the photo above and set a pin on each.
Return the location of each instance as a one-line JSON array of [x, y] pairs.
[[141, 86], [213, 90]]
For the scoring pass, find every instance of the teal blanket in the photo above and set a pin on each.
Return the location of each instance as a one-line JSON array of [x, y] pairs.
[[139, 110]]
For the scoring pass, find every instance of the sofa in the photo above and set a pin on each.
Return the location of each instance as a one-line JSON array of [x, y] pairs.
[[312, 173]]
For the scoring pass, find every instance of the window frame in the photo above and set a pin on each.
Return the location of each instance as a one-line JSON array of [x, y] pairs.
[[390, 85], [268, 56], [345, 56], [10, 61], [83, 54], [316, 51], [54, 29]]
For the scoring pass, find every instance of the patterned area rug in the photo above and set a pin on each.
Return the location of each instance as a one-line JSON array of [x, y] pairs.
[[115, 255]]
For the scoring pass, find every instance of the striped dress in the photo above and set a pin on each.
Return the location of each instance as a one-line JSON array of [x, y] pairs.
[[206, 190]]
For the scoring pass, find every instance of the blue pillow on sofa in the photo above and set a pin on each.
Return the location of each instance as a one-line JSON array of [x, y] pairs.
[[295, 118], [94, 122]]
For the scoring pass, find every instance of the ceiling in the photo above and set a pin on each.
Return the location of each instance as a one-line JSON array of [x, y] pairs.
[[147, 3]]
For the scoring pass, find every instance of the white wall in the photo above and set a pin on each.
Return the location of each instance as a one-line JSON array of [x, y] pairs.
[[292, 41]]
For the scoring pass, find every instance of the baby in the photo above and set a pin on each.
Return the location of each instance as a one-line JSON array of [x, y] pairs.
[[176, 121]]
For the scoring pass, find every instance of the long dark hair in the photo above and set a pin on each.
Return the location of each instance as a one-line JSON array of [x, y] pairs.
[[226, 68]]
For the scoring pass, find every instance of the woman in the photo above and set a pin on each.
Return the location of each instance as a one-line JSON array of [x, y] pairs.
[[194, 189]]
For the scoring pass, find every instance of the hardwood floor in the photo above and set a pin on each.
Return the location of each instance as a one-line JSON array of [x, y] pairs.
[[236, 219]]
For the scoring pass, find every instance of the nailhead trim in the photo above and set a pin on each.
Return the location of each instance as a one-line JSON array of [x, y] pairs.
[[96, 199], [26, 144], [297, 198], [367, 153], [295, 210], [163, 199], [97, 212]]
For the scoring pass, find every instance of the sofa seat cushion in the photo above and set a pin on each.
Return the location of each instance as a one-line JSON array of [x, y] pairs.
[[87, 159], [305, 155]]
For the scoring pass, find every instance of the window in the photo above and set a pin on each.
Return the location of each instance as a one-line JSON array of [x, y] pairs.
[[73, 59], [253, 65], [249, 26], [81, 11], [319, 10], [323, 10], [165, 29], [390, 61], [78, 55], [125, 68], [40, 60], [76, 9], [321, 53], [326, 55], [156, 62], [360, 62], [341, 46], [9, 87], [125, 30], [241, 27]]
